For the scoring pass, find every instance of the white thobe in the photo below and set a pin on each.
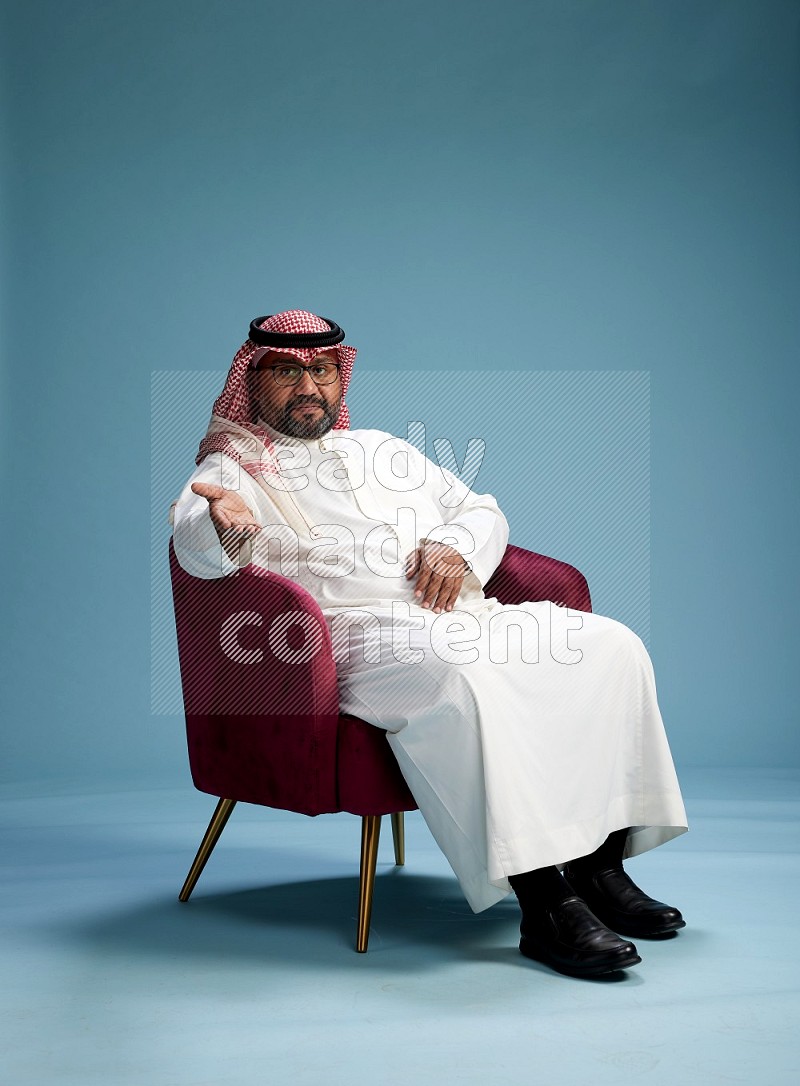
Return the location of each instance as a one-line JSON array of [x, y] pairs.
[[523, 747]]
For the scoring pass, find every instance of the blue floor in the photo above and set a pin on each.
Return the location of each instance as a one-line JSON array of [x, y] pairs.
[[108, 979]]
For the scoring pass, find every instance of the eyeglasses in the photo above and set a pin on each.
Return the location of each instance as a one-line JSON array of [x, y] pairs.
[[290, 373]]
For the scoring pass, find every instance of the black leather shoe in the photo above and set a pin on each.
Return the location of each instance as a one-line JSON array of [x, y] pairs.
[[616, 900], [568, 937]]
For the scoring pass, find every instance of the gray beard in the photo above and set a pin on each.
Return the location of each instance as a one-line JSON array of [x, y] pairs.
[[311, 427]]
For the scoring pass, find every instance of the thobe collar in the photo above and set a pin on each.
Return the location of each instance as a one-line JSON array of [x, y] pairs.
[[366, 497]]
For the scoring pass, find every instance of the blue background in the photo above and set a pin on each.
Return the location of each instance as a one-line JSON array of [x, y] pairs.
[[506, 188]]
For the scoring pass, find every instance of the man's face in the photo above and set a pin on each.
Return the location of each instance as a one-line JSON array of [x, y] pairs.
[[305, 410]]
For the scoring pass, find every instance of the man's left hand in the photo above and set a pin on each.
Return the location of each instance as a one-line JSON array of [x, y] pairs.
[[440, 572]]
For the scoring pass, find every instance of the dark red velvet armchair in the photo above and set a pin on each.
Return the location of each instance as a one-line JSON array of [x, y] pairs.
[[261, 703]]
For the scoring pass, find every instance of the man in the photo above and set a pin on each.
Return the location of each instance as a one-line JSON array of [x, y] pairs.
[[538, 774]]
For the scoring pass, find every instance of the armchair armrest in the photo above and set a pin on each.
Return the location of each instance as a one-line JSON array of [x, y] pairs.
[[259, 689], [526, 576]]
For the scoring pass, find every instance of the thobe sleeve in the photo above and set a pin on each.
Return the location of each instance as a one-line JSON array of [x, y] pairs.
[[197, 545], [471, 523]]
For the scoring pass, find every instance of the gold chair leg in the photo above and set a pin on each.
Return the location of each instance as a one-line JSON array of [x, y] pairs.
[[370, 836], [399, 838], [215, 828]]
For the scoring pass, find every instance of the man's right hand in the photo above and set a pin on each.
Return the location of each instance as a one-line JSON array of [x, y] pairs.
[[234, 522]]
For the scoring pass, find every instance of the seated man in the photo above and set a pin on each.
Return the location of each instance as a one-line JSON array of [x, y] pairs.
[[539, 773]]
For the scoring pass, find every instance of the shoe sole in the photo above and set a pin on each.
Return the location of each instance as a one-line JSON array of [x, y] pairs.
[[589, 969], [665, 930]]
